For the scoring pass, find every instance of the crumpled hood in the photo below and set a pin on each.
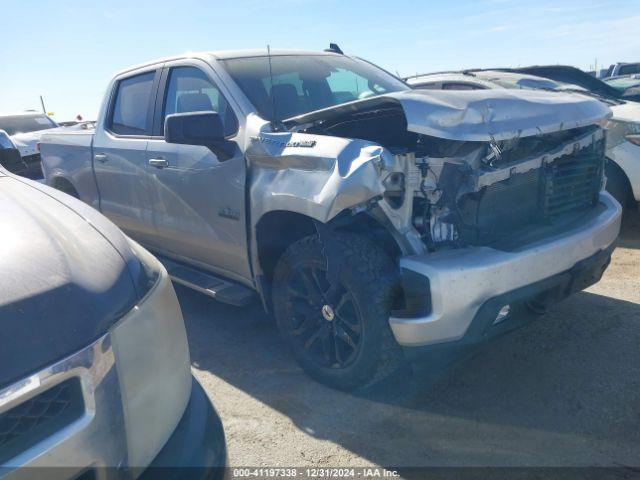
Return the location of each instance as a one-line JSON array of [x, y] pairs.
[[63, 280], [499, 114], [477, 115]]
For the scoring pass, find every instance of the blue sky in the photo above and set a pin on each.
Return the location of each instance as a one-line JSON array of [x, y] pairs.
[[67, 50]]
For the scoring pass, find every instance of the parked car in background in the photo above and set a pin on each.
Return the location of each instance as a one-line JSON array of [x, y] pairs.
[[628, 85], [25, 130], [78, 124], [622, 68], [623, 140], [574, 76], [94, 361], [367, 216], [10, 157]]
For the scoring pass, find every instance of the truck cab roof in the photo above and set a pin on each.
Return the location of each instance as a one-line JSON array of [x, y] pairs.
[[227, 55]]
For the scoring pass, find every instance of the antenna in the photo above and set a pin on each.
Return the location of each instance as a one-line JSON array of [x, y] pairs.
[[273, 98], [333, 47], [44, 110]]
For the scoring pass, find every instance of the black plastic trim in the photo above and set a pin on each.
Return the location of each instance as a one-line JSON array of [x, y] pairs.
[[555, 288], [197, 448], [417, 295]]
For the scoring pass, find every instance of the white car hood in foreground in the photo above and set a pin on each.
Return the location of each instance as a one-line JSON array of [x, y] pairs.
[[26, 143], [500, 114], [627, 112]]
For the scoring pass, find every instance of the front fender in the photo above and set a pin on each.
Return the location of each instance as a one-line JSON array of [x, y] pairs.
[[314, 175]]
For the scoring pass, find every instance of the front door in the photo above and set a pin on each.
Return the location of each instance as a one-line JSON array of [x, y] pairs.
[[120, 155], [199, 197]]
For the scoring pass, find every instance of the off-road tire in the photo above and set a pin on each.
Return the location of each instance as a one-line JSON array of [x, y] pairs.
[[370, 279]]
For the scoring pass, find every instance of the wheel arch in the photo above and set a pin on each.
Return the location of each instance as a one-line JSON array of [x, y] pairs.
[[62, 183], [616, 175], [276, 230]]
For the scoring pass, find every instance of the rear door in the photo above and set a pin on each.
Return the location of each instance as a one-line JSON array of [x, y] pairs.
[[199, 198], [119, 151]]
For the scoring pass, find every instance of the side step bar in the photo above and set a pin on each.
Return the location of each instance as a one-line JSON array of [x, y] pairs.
[[221, 289]]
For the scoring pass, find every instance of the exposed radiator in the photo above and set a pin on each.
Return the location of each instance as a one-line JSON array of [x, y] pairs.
[[572, 182], [567, 185]]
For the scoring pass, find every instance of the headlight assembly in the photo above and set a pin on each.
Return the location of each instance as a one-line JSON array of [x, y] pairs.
[[144, 268]]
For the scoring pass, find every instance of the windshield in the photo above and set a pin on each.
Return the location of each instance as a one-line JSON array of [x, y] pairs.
[[300, 84], [25, 123], [516, 81], [629, 69], [5, 141], [572, 76], [622, 83]]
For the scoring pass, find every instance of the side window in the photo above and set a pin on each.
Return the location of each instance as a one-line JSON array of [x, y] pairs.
[[629, 69], [190, 90], [460, 86], [130, 112], [5, 141], [428, 86]]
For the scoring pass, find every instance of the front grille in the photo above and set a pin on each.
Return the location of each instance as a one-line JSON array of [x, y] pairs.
[[39, 417], [563, 187], [572, 183]]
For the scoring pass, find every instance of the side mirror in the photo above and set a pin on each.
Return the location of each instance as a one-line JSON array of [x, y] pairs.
[[198, 128]]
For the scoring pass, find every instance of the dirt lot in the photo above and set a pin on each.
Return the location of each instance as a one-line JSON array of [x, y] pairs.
[[562, 391]]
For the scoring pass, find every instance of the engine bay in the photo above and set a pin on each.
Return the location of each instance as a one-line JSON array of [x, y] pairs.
[[456, 194]]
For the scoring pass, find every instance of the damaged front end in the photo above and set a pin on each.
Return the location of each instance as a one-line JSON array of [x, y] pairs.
[[493, 193], [440, 170]]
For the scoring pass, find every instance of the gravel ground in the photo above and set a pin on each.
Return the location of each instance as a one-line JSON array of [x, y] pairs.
[[562, 391]]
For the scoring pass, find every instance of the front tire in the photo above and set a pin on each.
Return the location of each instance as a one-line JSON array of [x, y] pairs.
[[339, 333]]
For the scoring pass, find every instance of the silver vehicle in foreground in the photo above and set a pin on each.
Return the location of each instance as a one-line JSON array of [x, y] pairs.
[[623, 140], [367, 216], [95, 378]]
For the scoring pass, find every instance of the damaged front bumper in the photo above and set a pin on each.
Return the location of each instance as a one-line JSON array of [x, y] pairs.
[[465, 283]]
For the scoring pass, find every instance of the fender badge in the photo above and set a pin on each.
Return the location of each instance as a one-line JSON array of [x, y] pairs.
[[297, 143]]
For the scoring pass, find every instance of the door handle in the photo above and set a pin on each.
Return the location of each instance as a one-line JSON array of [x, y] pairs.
[[158, 162], [101, 157]]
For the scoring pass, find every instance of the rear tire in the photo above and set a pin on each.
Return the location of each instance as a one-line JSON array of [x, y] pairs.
[[618, 184], [339, 333]]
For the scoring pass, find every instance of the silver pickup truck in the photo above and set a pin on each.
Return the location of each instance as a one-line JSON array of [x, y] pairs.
[[370, 219]]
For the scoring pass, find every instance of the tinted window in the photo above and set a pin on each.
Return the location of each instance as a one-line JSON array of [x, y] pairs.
[[190, 90], [131, 107], [25, 123], [427, 86], [297, 84], [461, 86], [5, 141], [629, 69]]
